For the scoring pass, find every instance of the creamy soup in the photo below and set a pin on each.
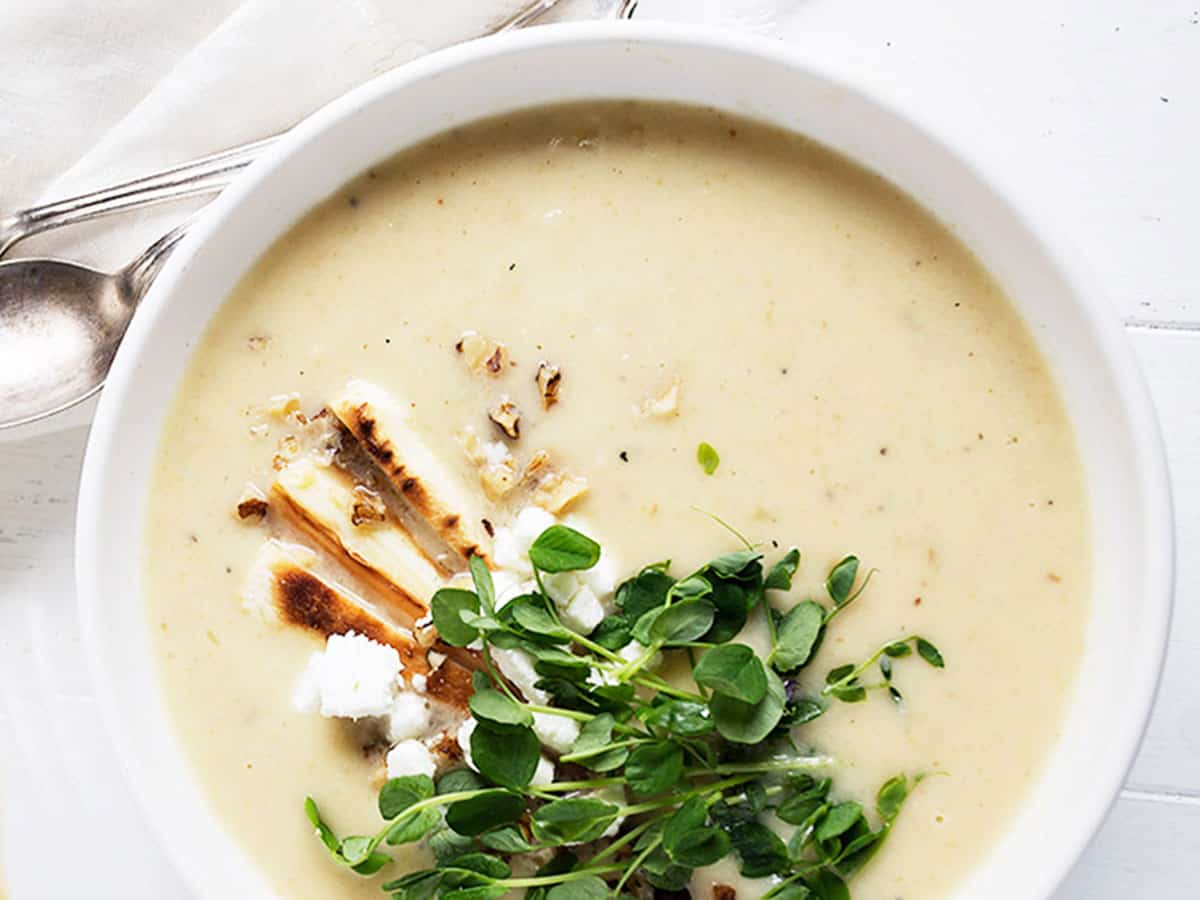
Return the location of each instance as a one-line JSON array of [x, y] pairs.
[[867, 385]]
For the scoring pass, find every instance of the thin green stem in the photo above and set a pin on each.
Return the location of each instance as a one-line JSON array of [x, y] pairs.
[[862, 587], [863, 666], [637, 861], [539, 880], [777, 765], [596, 751], [558, 711]]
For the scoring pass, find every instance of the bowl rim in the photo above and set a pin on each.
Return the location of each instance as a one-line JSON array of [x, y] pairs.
[[1107, 337]]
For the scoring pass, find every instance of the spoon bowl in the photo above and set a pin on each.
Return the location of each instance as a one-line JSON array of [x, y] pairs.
[[60, 325]]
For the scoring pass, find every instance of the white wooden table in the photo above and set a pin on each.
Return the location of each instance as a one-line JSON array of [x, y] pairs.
[[1090, 107]]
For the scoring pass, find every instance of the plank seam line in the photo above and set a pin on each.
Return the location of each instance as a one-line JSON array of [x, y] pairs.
[[1162, 325], [1181, 798]]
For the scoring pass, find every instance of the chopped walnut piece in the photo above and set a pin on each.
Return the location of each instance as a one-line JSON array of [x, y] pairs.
[[506, 416], [482, 354], [557, 491], [281, 406], [665, 405], [497, 468], [425, 635], [549, 380], [368, 507], [723, 892], [252, 505], [537, 468]]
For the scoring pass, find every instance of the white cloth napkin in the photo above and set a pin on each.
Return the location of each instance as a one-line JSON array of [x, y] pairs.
[[92, 93]]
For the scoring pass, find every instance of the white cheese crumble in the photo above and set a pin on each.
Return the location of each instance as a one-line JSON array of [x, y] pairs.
[[582, 598], [544, 773], [517, 667], [410, 757], [465, 730], [354, 678], [556, 732], [408, 717]]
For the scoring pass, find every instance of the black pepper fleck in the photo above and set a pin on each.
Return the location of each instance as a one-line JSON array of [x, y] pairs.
[[353, 201], [624, 454], [511, 266]]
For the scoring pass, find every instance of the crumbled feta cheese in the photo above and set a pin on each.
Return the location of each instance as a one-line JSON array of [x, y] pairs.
[[517, 667], [495, 453], [410, 758], [419, 683], [408, 718], [633, 650], [556, 732], [583, 613], [560, 587], [600, 578], [435, 659], [465, 730], [355, 677], [544, 773]]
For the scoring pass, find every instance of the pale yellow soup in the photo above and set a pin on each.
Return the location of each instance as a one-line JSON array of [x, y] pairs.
[[867, 385]]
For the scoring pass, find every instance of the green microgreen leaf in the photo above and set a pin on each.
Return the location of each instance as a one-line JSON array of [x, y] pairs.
[[475, 815], [840, 581], [447, 607], [613, 632], [733, 670], [531, 614], [323, 831], [781, 574], [761, 852], [681, 622], [684, 718], [563, 549], [645, 591], [891, 797], [482, 577], [508, 757], [589, 887], [499, 710], [573, 820], [508, 839], [655, 767], [750, 723], [798, 634], [398, 794], [930, 653], [708, 457], [840, 819]]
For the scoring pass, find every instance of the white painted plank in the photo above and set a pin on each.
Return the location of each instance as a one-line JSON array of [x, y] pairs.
[[1060, 99], [1147, 849], [1170, 757]]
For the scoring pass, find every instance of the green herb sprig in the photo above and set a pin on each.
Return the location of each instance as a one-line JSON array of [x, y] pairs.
[[695, 772]]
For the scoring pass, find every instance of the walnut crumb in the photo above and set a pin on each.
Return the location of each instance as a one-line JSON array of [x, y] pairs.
[[665, 405], [549, 380], [723, 892], [252, 506], [482, 354], [506, 416], [368, 507]]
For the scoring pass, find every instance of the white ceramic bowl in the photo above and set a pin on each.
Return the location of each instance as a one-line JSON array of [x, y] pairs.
[[1073, 323]]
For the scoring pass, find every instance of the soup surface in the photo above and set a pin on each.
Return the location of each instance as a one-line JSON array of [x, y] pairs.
[[867, 386]]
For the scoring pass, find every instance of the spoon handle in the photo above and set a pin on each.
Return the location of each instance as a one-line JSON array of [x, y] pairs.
[[206, 175]]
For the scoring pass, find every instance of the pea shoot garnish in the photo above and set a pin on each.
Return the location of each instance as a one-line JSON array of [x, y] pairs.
[[664, 776], [708, 457]]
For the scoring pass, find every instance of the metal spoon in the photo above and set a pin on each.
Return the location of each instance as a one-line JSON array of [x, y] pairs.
[[60, 325]]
